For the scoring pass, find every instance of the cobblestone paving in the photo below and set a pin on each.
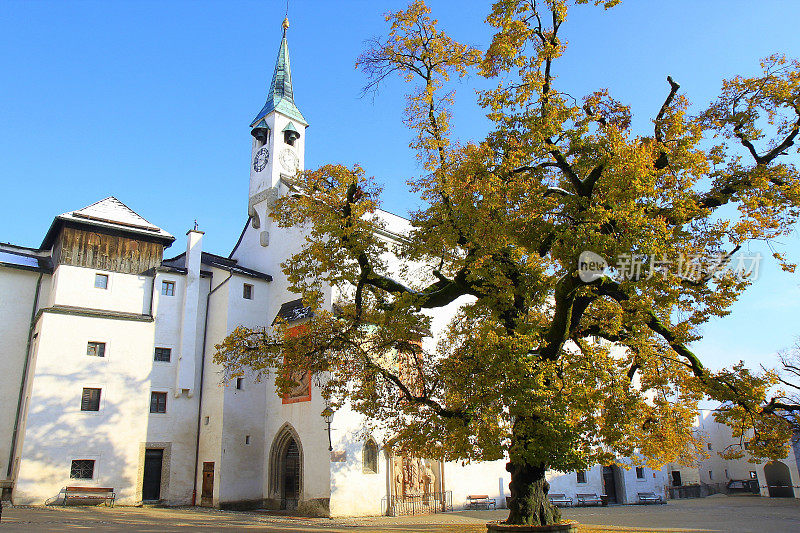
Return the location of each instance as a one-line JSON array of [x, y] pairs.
[[740, 514]]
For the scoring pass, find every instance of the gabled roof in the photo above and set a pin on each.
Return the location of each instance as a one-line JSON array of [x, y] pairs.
[[281, 94], [214, 260], [108, 213]]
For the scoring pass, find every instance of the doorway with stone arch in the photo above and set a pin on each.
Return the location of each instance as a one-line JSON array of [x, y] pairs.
[[286, 469], [779, 480]]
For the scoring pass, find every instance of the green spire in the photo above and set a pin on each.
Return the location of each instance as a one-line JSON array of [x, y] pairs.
[[281, 96]]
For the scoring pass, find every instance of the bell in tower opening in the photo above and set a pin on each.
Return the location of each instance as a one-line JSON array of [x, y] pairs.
[[290, 134]]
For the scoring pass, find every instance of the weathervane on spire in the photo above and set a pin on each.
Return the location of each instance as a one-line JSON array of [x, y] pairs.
[[285, 24]]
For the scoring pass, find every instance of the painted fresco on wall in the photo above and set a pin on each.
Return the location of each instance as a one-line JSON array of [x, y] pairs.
[[301, 392]]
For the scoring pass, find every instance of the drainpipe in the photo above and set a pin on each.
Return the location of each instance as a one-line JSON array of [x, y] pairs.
[[200, 388], [25, 368], [153, 290]]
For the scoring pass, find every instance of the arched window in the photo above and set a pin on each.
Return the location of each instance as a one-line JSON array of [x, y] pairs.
[[370, 461]]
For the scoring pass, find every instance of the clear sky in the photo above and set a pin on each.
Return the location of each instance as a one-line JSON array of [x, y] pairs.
[[151, 101]]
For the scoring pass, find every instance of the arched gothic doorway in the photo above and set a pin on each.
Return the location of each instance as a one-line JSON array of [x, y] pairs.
[[286, 469], [779, 480]]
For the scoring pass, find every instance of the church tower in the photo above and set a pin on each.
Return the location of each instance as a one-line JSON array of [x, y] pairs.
[[278, 141]]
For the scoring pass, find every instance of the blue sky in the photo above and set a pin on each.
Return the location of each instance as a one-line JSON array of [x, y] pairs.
[[150, 102]]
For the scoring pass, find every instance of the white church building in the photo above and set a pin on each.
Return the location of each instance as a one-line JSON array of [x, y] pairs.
[[107, 378]]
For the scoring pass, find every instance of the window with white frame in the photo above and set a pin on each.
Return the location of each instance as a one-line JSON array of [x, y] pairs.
[[101, 281], [168, 288]]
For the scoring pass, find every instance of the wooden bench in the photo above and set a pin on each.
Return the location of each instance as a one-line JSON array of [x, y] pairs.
[[588, 499], [560, 500], [650, 497], [478, 501], [104, 494]]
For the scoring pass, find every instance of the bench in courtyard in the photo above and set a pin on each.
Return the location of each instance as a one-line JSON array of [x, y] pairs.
[[103, 494], [560, 500], [589, 499], [650, 497], [480, 501]]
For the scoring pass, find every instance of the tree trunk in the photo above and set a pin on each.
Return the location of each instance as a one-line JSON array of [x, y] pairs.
[[529, 504]]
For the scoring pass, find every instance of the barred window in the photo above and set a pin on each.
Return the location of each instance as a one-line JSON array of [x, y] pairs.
[[96, 349], [168, 288], [370, 465], [581, 476], [639, 472], [247, 291], [90, 399], [158, 402], [163, 354], [82, 469]]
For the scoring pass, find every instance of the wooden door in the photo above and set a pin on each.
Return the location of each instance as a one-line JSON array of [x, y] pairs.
[[207, 493], [151, 481]]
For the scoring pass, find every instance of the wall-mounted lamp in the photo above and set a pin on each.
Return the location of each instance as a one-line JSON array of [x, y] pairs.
[[327, 415]]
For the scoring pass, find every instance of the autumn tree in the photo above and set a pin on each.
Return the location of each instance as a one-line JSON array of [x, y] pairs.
[[540, 364]]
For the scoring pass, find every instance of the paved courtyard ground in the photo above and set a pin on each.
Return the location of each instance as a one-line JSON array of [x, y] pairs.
[[740, 514]]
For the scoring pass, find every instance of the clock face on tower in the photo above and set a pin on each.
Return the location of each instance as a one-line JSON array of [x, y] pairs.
[[289, 160], [261, 159]]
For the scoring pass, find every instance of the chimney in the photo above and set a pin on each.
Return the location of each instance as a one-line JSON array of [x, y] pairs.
[[191, 307]]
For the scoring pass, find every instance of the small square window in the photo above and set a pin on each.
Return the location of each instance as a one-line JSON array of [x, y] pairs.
[[639, 472], [101, 281], [158, 402], [206, 420], [247, 439], [247, 291], [96, 349], [82, 469], [90, 399], [581, 476], [240, 383], [163, 354], [168, 288]]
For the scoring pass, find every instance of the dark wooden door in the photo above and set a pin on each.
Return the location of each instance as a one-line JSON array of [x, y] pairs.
[[151, 483], [609, 484], [291, 476], [207, 493], [779, 480]]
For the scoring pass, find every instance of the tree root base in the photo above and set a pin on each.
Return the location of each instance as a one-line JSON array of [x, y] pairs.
[[568, 526]]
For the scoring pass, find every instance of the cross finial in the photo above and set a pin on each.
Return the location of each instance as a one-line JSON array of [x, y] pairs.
[[195, 224]]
